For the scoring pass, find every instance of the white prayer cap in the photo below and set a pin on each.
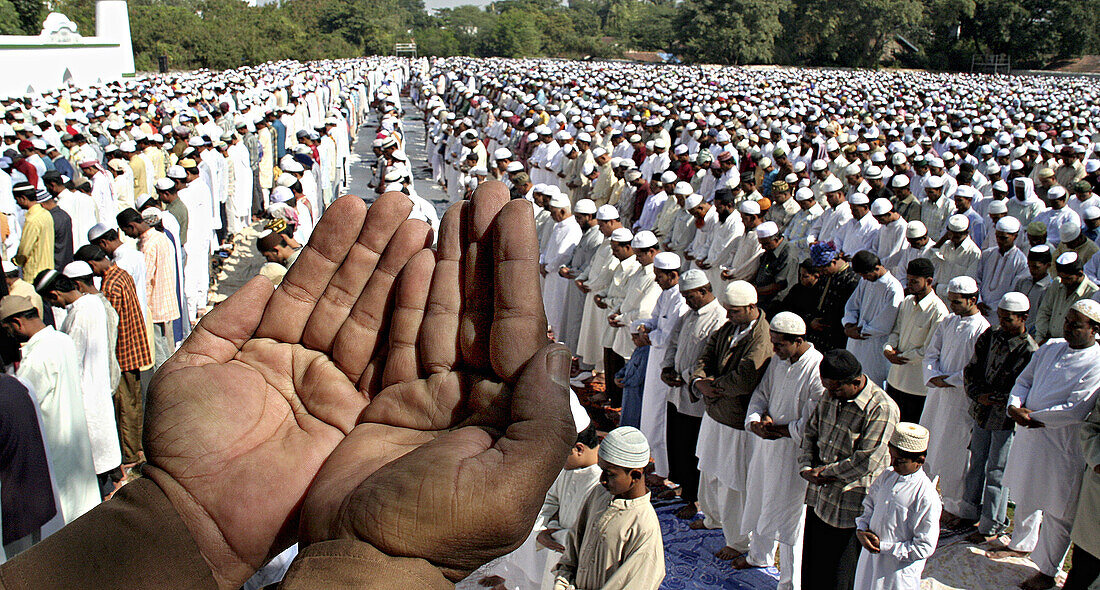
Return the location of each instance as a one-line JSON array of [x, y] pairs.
[[692, 201], [881, 206], [749, 207], [582, 136], [1008, 225], [680, 150], [958, 222], [660, 143], [563, 136], [625, 447], [559, 201], [910, 437], [804, 194], [165, 184], [585, 207], [873, 173], [935, 162], [1014, 302], [997, 207], [859, 198], [819, 165], [934, 181], [1000, 186], [97, 230], [293, 166], [962, 286], [588, 168], [177, 172], [666, 260], [1087, 308], [682, 188], [606, 213], [831, 184], [396, 187], [75, 269], [621, 235], [967, 192], [786, 322], [766, 229], [1069, 231], [580, 416], [643, 239], [1091, 212], [668, 177], [502, 154], [693, 279], [899, 181], [740, 293], [515, 166], [1092, 166], [128, 146], [195, 141], [281, 194], [1056, 192], [286, 179]]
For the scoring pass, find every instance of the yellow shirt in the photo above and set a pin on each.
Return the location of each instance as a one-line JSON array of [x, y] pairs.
[[35, 252]]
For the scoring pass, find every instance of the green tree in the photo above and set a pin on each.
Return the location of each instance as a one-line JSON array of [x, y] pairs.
[[731, 31], [9, 19], [29, 15], [436, 41], [854, 33], [514, 34]]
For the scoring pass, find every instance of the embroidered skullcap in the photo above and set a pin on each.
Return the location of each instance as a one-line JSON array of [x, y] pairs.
[[786, 322], [625, 447], [910, 437]]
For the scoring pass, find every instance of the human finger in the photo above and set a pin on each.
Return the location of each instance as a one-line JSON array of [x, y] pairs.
[[410, 301], [292, 304], [475, 323], [519, 322], [439, 339], [383, 218]]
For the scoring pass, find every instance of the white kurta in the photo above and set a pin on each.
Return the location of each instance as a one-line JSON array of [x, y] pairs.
[[594, 321], [87, 324], [788, 393], [999, 273], [560, 510], [858, 234], [51, 368], [639, 296], [946, 409], [873, 307], [668, 311], [1045, 465], [903, 511], [557, 251]]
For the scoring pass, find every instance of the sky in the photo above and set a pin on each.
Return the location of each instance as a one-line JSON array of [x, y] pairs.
[[430, 4]]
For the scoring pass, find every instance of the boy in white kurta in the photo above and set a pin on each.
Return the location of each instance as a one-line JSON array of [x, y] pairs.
[[617, 543], [899, 526]]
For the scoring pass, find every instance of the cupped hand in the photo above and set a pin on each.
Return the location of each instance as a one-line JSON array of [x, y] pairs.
[[241, 418], [452, 458]]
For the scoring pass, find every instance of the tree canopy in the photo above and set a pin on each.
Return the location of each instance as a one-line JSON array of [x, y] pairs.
[[861, 33]]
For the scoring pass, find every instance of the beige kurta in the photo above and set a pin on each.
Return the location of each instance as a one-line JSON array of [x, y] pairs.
[[617, 545]]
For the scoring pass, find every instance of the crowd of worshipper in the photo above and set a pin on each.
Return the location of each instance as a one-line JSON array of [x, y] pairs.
[[115, 201], [853, 314]]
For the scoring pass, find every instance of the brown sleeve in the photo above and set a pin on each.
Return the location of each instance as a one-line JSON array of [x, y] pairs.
[[354, 564], [135, 540]]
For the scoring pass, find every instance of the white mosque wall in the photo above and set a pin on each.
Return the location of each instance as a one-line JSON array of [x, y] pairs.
[[60, 56]]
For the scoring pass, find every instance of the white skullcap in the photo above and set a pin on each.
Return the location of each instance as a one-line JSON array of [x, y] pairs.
[[692, 201], [96, 231], [910, 437], [1009, 225], [1087, 308], [1014, 302], [75, 269], [786, 322], [580, 416], [934, 181], [1091, 212], [958, 222], [819, 165], [1000, 186], [606, 213], [293, 166], [899, 181], [514, 167], [1069, 231], [766, 229], [682, 188], [177, 172], [873, 173], [502, 154], [666, 260], [281, 194], [643, 239], [165, 184], [996, 207], [599, 152], [962, 286], [625, 447], [803, 194], [831, 185], [1066, 258], [859, 198], [1056, 192], [881, 206], [286, 179], [585, 207], [749, 207], [693, 279], [668, 177], [622, 235], [559, 201], [915, 229], [740, 293]]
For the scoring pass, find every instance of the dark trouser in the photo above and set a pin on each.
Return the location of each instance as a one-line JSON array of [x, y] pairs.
[[829, 555], [257, 194], [107, 481], [1086, 567], [224, 230], [130, 414], [910, 406], [612, 364], [683, 466]]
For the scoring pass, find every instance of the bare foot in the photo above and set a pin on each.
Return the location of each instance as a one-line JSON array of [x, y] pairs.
[[491, 581], [979, 539], [728, 553], [697, 525], [688, 511], [741, 563], [653, 480], [1039, 581], [1006, 552]]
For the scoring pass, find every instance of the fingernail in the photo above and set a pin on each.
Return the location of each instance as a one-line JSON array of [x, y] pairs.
[[558, 363]]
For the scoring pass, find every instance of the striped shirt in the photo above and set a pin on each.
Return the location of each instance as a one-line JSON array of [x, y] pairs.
[[849, 438], [133, 346], [160, 266]]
